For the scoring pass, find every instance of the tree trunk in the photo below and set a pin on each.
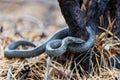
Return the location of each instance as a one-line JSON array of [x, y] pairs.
[[74, 16], [81, 13]]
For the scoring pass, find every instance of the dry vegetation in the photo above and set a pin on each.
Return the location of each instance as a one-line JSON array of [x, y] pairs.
[[36, 21]]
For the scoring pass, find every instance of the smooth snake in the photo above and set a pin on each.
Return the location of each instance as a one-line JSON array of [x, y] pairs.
[[78, 46]]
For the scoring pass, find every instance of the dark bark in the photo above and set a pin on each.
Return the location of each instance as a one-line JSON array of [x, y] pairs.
[[117, 23], [73, 15], [78, 19]]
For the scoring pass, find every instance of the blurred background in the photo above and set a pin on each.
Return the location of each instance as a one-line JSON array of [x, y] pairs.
[[34, 16]]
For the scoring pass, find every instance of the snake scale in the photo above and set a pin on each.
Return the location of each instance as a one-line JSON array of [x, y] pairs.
[[78, 46]]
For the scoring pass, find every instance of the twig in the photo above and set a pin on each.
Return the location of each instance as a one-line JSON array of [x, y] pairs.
[[17, 32], [34, 20], [90, 60], [9, 74], [109, 32], [119, 76], [1, 29], [78, 63], [47, 68]]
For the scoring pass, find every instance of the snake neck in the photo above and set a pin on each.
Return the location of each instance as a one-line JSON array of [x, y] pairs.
[[78, 48], [91, 40]]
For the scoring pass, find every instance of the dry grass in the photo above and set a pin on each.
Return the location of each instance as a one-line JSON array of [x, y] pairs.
[[31, 20]]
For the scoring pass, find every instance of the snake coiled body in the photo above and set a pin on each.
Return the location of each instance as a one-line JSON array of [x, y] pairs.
[[57, 47], [10, 51]]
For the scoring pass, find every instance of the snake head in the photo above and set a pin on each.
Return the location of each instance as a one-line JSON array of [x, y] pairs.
[[70, 40], [78, 40]]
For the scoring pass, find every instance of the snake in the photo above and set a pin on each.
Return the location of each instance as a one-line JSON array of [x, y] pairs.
[[58, 46], [10, 51]]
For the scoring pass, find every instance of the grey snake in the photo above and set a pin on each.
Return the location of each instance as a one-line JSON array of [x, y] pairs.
[[78, 45]]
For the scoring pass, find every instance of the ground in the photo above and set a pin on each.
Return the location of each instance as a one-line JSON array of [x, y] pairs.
[[21, 19]]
